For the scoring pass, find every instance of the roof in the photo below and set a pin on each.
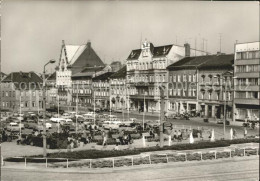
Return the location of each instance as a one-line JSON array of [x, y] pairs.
[[88, 72], [120, 73], [204, 62], [156, 51], [104, 76], [115, 62], [52, 76], [81, 56], [134, 54], [24, 80], [161, 50]]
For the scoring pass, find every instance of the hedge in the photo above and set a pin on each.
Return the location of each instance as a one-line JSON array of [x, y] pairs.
[[92, 154]]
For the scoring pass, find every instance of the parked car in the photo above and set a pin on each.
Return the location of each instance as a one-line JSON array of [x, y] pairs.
[[110, 126], [29, 125], [13, 127], [221, 121]]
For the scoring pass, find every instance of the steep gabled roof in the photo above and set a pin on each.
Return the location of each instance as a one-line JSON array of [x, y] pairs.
[[24, 80], [119, 74], [204, 62], [87, 57]]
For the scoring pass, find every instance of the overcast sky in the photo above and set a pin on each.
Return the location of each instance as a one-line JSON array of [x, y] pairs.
[[32, 31]]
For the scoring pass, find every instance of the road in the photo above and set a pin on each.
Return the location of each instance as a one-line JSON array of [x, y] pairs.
[[229, 169]]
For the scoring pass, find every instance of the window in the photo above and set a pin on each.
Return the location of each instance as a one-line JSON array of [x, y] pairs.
[[184, 78], [203, 78], [6, 94], [252, 95], [170, 78], [189, 92], [242, 82], [26, 104], [244, 55], [210, 95], [240, 94], [253, 54], [179, 78], [3, 93], [189, 77], [218, 95], [179, 92], [202, 95], [193, 92], [194, 78], [174, 78], [33, 93], [13, 93], [253, 81], [183, 92], [253, 68], [210, 78], [33, 104], [241, 68], [238, 57]]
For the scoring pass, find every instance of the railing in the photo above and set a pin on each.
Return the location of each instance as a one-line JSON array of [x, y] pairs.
[[144, 158]]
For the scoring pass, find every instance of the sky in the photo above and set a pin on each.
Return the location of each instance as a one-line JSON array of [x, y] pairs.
[[32, 31]]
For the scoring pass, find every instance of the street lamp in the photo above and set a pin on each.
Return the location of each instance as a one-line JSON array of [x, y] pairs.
[[44, 108]]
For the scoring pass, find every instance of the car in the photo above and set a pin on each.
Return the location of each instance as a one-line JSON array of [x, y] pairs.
[[118, 111], [68, 126], [110, 126], [155, 123], [29, 125], [57, 120], [13, 127], [221, 121], [126, 123]]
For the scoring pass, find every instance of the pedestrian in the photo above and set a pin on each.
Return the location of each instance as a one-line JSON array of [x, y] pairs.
[[104, 138], [116, 147], [129, 138], [120, 137], [179, 135], [175, 135], [245, 132], [235, 133]]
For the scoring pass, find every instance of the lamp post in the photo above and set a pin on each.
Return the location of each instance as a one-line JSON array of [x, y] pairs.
[[44, 109], [162, 116]]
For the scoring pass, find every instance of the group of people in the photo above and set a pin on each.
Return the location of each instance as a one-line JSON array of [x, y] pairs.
[[123, 139]]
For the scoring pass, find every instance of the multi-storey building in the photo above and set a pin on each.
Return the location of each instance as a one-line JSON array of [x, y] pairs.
[[22, 90], [201, 84], [52, 91], [118, 89], [82, 86], [101, 90], [247, 81], [146, 71], [73, 59]]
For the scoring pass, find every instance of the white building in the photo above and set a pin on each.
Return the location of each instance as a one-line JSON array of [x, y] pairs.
[[247, 81]]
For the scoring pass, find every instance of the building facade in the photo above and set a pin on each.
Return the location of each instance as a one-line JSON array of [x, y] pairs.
[[52, 91], [247, 68], [118, 94], [200, 84], [22, 90], [82, 87], [73, 59], [101, 90], [146, 72]]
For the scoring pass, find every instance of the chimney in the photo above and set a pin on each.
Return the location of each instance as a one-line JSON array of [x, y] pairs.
[[187, 49], [88, 44]]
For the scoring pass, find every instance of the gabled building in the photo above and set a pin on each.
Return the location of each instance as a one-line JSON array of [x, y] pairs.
[[118, 95], [73, 59], [198, 84], [146, 71], [21, 89]]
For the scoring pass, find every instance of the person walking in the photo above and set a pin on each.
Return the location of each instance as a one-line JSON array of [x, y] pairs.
[[234, 134], [104, 135], [245, 132]]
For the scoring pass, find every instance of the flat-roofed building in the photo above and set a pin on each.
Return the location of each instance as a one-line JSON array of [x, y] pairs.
[[247, 81]]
